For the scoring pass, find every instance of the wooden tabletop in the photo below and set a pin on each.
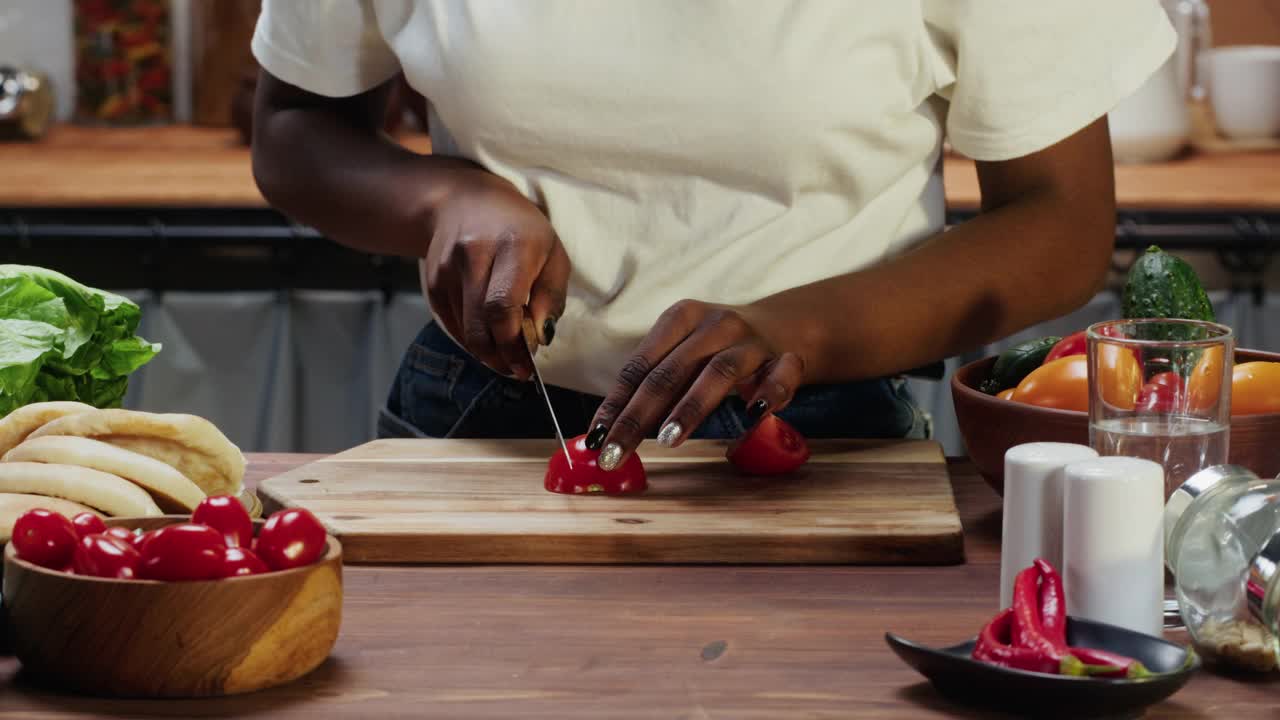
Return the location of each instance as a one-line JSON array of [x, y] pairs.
[[205, 167], [640, 642]]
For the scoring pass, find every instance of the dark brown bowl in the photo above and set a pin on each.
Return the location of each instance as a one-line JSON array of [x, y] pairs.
[[990, 426]]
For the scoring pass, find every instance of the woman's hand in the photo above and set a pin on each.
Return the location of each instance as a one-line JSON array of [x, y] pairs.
[[695, 355], [493, 253]]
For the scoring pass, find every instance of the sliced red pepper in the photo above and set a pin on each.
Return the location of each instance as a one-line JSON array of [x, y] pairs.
[[993, 646], [1028, 629], [1101, 663], [586, 477], [1053, 606]]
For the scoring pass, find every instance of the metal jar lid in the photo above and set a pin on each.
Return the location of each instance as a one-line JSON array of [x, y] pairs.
[[1258, 587], [1192, 488]]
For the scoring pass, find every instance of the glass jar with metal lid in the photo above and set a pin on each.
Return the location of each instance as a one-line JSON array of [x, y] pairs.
[[1222, 544], [26, 103]]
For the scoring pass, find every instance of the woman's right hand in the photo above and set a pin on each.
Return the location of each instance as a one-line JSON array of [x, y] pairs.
[[493, 253]]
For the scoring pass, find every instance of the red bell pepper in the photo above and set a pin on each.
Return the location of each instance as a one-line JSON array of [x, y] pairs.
[[1073, 344]]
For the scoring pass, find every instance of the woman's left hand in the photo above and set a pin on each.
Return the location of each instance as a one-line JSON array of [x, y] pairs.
[[695, 355]]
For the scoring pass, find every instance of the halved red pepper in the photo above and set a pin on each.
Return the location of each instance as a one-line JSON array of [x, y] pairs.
[[586, 476], [1053, 618], [993, 646]]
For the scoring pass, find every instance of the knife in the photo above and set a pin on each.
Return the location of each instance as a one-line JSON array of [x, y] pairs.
[[531, 344]]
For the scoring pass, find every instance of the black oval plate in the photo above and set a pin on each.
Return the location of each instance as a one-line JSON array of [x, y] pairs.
[[959, 677]]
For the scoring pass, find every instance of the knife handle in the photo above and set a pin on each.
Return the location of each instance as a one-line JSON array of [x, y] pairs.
[[530, 335]]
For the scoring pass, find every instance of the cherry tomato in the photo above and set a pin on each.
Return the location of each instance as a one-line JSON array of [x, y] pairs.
[[88, 524], [1006, 394], [1255, 388], [45, 538], [107, 556], [238, 561], [586, 475], [1074, 344], [226, 514], [125, 534], [1205, 383], [772, 447], [1061, 384], [1163, 393], [290, 538], [182, 552]]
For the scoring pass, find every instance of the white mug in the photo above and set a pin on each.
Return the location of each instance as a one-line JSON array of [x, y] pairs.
[[1244, 89]]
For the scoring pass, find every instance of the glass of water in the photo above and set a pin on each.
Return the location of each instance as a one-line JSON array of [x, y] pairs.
[[1160, 389]]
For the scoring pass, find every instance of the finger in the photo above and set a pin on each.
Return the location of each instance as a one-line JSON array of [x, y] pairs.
[[475, 327], [445, 295], [655, 395], [504, 302], [671, 329], [725, 370], [547, 297], [779, 381]]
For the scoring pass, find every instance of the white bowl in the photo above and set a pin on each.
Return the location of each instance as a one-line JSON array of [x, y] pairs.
[[1244, 89]]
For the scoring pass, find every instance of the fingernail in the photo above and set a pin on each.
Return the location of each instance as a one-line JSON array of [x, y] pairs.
[[757, 411], [595, 438], [610, 457], [548, 331], [669, 434]]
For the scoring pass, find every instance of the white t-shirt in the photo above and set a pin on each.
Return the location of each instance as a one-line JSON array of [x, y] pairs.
[[722, 150]]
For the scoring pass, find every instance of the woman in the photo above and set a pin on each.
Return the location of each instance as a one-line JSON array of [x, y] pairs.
[[716, 209]]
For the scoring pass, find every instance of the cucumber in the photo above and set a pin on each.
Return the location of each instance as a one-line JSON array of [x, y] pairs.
[[1161, 285], [1016, 363]]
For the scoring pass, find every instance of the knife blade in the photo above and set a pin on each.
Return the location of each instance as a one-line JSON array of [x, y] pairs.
[[531, 344]]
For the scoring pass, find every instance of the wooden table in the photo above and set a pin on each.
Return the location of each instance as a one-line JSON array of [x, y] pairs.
[[640, 642], [205, 167]]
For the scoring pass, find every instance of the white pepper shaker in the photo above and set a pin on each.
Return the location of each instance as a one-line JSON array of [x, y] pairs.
[[1113, 542], [1032, 522]]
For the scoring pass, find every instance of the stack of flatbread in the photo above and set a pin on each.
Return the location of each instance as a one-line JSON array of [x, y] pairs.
[[73, 458]]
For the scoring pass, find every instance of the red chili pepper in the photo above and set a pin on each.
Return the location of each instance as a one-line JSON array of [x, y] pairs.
[[1053, 606], [1101, 663], [993, 647], [1028, 630]]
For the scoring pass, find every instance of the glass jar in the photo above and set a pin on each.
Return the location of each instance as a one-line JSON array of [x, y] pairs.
[[26, 103], [1222, 544], [124, 66]]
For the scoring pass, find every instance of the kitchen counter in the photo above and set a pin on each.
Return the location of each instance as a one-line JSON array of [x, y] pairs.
[[183, 166], [644, 642]]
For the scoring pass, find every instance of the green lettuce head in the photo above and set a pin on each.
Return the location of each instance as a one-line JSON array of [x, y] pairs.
[[60, 340]]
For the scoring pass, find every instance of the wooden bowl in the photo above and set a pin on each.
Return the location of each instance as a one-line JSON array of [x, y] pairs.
[[990, 426], [142, 638]]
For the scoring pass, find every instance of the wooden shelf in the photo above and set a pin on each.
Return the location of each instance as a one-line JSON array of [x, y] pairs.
[[179, 166]]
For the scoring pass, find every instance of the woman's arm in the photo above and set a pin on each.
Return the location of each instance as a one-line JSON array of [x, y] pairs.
[[1040, 248], [488, 253]]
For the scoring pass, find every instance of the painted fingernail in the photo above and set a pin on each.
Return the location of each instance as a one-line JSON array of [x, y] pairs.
[[669, 434], [548, 331], [595, 438], [757, 411], [610, 457]]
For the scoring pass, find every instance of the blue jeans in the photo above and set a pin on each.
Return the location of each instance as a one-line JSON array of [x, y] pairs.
[[440, 391]]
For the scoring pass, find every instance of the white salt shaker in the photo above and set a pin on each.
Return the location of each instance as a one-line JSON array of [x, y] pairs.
[[1113, 542], [1032, 524]]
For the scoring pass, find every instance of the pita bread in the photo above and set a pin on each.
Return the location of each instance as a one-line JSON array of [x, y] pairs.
[[109, 493], [13, 505], [17, 425], [191, 445], [171, 490]]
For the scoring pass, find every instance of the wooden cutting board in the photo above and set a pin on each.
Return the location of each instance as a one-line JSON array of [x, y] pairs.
[[481, 501]]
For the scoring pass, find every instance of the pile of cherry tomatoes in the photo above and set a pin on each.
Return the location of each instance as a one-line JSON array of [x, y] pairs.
[[217, 543]]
